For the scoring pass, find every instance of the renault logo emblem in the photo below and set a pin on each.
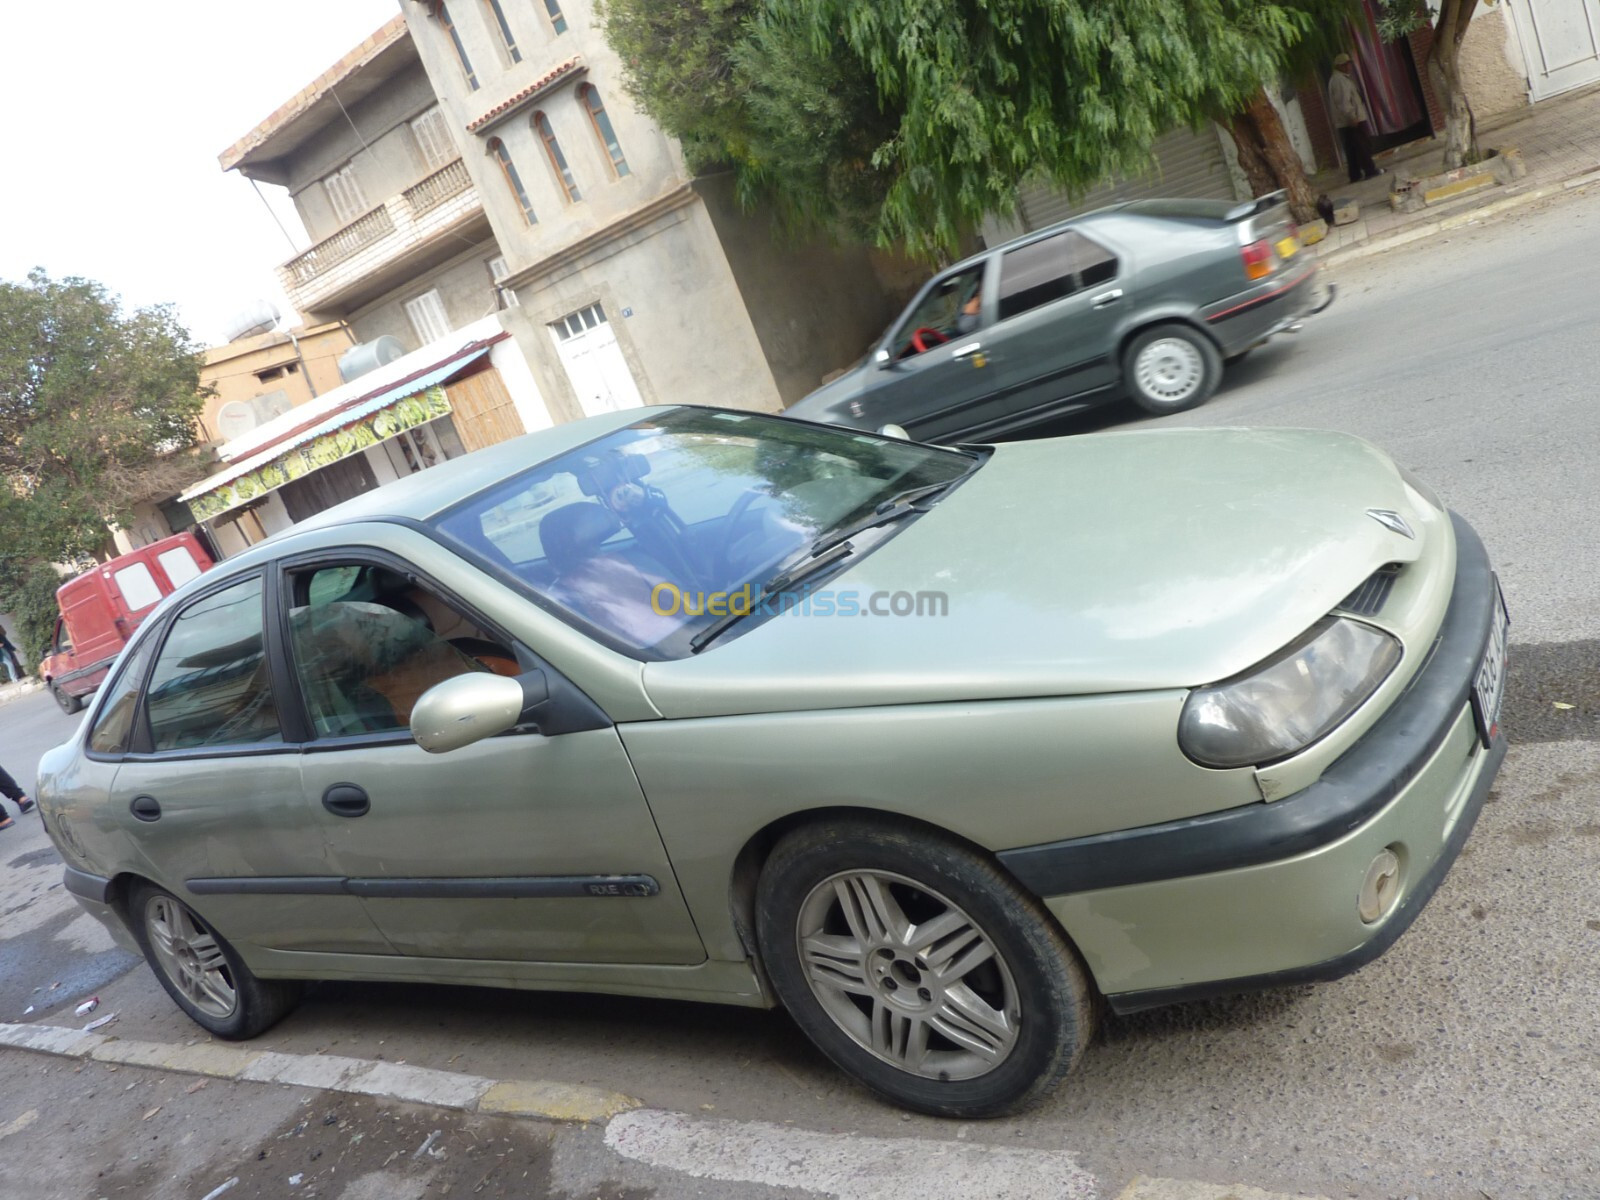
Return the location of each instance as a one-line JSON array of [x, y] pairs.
[[1392, 521]]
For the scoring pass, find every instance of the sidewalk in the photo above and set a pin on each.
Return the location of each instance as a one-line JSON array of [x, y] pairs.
[[22, 687], [1560, 144]]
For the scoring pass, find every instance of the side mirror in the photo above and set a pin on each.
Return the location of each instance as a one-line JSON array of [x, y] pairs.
[[469, 708], [882, 357], [894, 431]]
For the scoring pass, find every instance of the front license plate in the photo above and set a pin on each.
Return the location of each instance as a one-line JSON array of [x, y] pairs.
[[1288, 247], [1489, 688]]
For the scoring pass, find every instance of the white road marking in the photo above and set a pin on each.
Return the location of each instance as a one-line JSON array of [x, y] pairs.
[[843, 1165]]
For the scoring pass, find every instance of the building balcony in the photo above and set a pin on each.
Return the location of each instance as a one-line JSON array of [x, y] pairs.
[[411, 232]]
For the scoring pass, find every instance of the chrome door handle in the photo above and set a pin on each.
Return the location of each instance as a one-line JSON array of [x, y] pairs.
[[1105, 298], [966, 351]]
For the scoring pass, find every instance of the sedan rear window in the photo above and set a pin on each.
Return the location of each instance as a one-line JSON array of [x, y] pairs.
[[638, 534]]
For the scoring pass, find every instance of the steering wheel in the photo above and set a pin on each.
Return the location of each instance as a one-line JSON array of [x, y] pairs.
[[926, 338], [729, 524]]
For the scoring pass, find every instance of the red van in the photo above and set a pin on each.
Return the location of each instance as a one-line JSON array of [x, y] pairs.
[[101, 608]]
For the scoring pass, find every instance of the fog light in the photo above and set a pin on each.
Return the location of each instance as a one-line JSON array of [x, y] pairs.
[[1381, 888]]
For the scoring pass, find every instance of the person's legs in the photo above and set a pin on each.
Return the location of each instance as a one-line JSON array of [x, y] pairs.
[[10, 790], [1363, 144], [1348, 135]]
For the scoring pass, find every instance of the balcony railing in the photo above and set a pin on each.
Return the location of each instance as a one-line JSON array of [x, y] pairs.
[[449, 180], [425, 211]]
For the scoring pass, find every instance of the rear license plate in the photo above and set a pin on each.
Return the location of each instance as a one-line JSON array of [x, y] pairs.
[[1288, 247], [1489, 687]]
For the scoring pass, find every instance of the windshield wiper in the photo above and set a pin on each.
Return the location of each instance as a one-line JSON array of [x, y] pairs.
[[781, 582], [897, 506]]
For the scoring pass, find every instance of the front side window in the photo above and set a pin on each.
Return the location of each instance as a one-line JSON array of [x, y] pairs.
[[558, 160], [951, 308], [513, 179], [113, 727], [506, 37], [344, 193], [603, 129], [368, 642], [1051, 268], [627, 534], [460, 47], [209, 686]]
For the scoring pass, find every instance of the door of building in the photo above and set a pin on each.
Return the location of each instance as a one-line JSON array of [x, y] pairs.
[[587, 346], [1561, 41], [327, 486]]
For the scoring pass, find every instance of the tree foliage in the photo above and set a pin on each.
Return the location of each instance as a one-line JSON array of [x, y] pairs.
[[906, 121], [97, 412]]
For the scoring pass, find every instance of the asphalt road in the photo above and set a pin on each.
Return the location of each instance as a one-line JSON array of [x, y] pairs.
[[1464, 1063]]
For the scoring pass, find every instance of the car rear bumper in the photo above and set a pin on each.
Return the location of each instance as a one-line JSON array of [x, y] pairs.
[[1266, 894], [1253, 315]]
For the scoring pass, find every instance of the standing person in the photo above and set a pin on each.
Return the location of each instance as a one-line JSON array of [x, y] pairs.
[[9, 788], [1350, 115], [8, 658]]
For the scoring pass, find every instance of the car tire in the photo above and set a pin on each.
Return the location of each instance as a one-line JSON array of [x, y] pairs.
[[202, 972], [69, 703], [909, 1020], [1171, 368]]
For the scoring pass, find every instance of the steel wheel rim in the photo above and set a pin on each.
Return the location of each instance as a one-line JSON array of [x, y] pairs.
[[190, 957], [908, 975], [1169, 369]]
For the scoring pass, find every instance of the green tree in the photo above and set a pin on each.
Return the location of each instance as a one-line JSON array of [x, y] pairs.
[[1401, 17], [906, 121], [98, 410]]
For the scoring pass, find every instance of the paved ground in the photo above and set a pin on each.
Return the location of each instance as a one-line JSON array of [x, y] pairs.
[[1465, 1063]]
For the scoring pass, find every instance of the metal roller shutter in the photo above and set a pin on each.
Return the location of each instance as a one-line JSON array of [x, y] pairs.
[[1187, 164]]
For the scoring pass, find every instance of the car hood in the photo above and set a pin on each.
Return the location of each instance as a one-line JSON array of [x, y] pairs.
[[1101, 563]]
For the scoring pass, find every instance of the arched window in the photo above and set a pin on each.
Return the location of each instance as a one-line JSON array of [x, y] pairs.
[[505, 30], [558, 160], [461, 50], [513, 180], [553, 7], [602, 128]]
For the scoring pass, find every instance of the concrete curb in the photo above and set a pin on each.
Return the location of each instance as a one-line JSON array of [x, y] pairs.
[[23, 687], [362, 1076], [1456, 220]]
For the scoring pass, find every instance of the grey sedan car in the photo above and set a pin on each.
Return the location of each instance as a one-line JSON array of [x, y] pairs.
[[935, 748], [1146, 299]]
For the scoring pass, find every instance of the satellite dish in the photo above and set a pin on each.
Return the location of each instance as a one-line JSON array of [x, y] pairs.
[[235, 419]]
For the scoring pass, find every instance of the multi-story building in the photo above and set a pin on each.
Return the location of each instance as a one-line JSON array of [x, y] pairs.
[[635, 282]]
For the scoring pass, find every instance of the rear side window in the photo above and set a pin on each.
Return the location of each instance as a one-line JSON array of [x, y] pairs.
[[179, 565], [137, 585], [113, 729], [1050, 269], [210, 686]]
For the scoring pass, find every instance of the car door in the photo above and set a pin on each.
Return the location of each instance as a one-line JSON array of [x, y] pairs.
[[1059, 304], [208, 790], [933, 362], [535, 846]]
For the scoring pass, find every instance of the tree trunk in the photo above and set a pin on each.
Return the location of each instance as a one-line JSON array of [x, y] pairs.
[[1444, 73], [1267, 157]]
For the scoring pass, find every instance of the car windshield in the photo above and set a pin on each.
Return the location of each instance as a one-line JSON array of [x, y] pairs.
[[644, 535]]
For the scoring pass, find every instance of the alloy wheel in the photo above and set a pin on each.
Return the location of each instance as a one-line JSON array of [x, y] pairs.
[[908, 975], [189, 955]]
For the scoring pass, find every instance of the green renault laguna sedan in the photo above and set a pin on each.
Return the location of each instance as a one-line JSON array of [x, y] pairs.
[[932, 747]]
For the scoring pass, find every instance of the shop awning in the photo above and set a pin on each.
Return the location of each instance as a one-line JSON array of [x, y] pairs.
[[349, 431]]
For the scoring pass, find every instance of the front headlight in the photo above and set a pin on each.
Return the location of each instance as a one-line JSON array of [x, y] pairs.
[[1280, 706]]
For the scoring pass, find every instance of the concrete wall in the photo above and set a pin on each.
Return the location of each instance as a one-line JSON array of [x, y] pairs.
[[384, 154], [676, 309], [1492, 67], [234, 370], [815, 308], [655, 167], [464, 285]]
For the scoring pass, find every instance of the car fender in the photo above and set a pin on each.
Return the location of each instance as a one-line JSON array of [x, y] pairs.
[[1163, 313]]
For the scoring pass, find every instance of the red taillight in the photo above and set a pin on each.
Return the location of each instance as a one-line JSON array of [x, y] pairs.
[[1258, 259]]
